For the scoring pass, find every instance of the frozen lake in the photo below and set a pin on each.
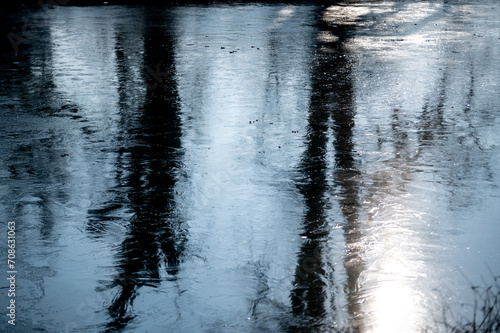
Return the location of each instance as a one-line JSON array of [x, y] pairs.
[[251, 168]]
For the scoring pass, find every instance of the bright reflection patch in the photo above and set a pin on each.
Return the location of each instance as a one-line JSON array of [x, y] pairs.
[[394, 307]]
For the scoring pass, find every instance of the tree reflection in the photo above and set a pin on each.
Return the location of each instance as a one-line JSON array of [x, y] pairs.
[[147, 171], [35, 157], [331, 111]]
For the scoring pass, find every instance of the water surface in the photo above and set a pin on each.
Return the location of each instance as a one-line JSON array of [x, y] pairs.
[[252, 168]]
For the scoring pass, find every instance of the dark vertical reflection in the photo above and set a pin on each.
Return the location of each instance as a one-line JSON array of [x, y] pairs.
[[150, 167], [33, 155], [331, 121], [346, 178]]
